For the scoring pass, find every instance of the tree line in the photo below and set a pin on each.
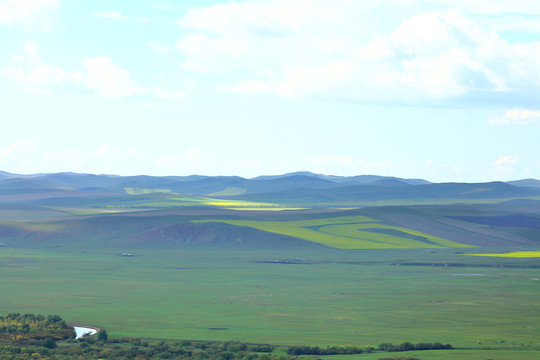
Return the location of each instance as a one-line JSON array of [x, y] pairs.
[[408, 346]]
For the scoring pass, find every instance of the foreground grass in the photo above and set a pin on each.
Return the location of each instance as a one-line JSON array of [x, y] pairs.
[[469, 354], [331, 298]]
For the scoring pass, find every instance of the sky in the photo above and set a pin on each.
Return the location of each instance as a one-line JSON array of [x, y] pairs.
[[444, 90]]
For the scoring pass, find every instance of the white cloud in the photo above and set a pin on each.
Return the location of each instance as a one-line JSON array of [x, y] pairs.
[[40, 79], [32, 14], [106, 159], [197, 156], [506, 161], [18, 156], [417, 54], [102, 75], [107, 79], [65, 160], [518, 117], [505, 166], [18, 147], [33, 76]]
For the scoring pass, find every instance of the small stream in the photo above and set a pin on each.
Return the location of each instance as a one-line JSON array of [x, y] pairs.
[[81, 331]]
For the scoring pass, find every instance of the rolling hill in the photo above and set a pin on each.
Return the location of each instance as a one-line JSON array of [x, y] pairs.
[[77, 211]]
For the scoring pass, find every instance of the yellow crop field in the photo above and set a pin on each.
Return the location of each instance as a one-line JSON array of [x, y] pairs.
[[238, 204], [349, 232], [399, 237], [514, 254]]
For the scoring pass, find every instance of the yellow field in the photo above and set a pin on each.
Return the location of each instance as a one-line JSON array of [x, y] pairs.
[[238, 204], [514, 254], [362, 232], [349, 232]]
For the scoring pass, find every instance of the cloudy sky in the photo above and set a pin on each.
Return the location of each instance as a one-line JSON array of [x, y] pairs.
[[445, 90]]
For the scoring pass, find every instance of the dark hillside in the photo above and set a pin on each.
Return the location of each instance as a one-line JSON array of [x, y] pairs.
[[80, 180], [433, 220], [529, 183], [29, 212], [389, 182], [5, 175], [392, 190], [214, 235], [289, 183], [143, 231], [22, 186], [79, 231], [514, 220], [46, 197], [490, 190]]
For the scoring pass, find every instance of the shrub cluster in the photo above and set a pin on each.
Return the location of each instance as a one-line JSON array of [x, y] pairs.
[[31, 329], [31, 336], [129, 348], [408, 346], [331, 350]]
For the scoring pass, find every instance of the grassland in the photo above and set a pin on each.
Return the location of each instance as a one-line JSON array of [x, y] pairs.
[[329, 297], [477, 354], [350, 232]]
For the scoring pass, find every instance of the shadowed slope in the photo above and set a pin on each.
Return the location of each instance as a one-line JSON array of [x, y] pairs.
[[214, 234]]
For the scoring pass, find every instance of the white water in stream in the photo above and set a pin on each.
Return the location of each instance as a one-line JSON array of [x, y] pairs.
[[81, 331]]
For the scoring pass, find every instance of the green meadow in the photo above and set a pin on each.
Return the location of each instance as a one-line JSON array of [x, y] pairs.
[[309, 297], [477, 354]]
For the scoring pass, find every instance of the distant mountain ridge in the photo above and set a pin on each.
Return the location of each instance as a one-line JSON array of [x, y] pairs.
[[304, 185], [532, 183], [358, 179]]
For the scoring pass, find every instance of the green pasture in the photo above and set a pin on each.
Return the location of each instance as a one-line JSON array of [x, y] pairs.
[[350, 232], [329, 297], [458, 354]]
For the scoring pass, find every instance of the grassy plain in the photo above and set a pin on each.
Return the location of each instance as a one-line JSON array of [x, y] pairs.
[[478, 354], [329, 297]]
